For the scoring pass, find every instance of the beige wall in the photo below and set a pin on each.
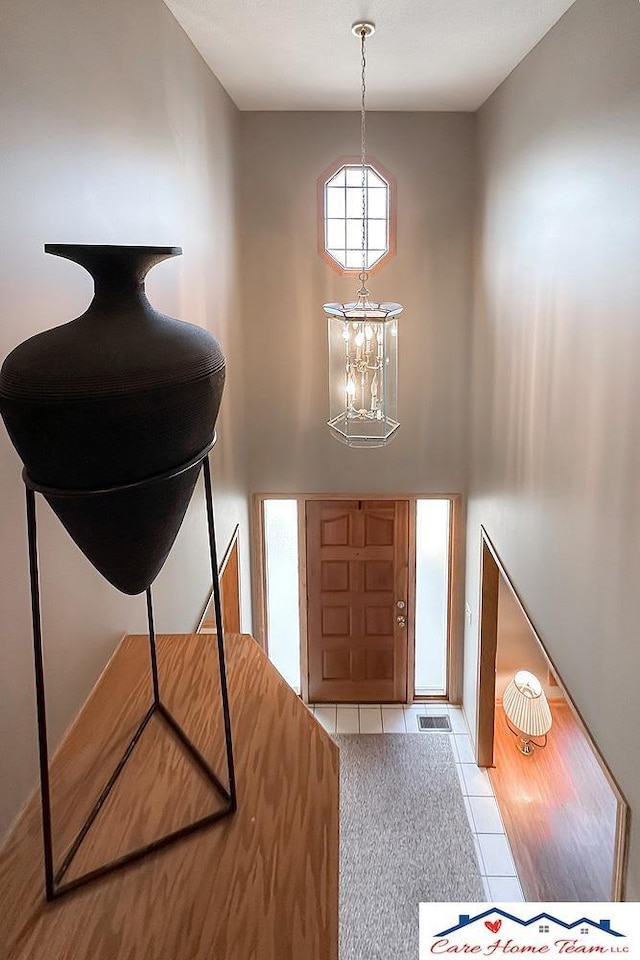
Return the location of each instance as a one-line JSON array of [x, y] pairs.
[[113, 131], [285, 283], [518, 648], [556, 392]]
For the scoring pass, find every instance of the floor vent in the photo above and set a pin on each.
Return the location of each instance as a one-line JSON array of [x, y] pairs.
[[433, 723]]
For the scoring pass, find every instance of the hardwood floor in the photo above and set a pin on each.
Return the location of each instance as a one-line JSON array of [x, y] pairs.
[[262, 884], [559, 812]]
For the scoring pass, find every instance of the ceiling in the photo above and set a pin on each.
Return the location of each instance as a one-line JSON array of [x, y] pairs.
[[425, 55]]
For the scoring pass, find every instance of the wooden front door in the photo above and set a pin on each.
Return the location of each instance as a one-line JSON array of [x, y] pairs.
[[357, 569]]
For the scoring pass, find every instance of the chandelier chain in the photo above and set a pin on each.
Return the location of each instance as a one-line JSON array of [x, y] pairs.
[[363, 293]]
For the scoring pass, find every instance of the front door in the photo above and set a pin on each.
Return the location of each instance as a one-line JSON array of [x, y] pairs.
[[357, 575]]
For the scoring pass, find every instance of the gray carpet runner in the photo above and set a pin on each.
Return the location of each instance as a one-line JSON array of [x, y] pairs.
[[404, 838]]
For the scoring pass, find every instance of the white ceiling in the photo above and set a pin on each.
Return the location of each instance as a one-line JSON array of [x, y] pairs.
[[425, 55]]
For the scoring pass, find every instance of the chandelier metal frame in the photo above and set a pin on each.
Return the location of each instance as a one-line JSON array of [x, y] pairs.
[[363, 333]]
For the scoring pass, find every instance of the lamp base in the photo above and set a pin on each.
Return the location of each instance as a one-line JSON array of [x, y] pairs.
[[525, 747]]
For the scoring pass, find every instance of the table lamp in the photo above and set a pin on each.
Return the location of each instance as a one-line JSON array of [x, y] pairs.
[[526, 709]]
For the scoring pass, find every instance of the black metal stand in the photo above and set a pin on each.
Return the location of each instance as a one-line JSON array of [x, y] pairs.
[[55, 887]]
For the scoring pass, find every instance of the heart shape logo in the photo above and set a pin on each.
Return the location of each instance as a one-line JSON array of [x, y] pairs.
[[494, 927]]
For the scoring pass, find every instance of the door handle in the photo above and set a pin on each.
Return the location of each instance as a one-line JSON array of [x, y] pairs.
[[401, 621]]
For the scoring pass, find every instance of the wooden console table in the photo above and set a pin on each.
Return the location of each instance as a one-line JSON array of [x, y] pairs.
[[259, 885]]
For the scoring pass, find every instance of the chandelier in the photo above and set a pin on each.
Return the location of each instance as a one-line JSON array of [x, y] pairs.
[[363, 337]]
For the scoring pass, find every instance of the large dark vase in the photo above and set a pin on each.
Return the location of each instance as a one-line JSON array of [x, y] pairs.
[[118, 396]]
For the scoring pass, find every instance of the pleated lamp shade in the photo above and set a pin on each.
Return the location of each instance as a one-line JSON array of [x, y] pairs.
[[525, 705]]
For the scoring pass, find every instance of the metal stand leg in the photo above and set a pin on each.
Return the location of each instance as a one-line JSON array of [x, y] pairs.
[[45, 792], [54, 885], [152, 650], [219, 632]]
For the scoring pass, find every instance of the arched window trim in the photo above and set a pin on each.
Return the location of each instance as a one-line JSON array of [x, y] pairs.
[[324, 177]]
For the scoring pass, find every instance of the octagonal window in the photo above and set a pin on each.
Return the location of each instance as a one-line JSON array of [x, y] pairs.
[[343, 196]]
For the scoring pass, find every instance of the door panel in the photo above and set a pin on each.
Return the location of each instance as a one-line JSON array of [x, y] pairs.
[[335, 576], [357, 569], [335, 531], [378, 576]]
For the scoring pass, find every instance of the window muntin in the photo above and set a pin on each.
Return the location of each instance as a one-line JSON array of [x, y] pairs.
[[342, 214]]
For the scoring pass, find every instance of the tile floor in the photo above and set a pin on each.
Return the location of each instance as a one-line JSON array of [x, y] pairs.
[[492, 847]]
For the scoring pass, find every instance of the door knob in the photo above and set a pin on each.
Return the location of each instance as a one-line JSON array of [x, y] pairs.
[[401, 621]]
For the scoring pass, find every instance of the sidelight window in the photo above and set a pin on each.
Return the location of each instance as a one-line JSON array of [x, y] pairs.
[[282, 585], [432, 596]]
